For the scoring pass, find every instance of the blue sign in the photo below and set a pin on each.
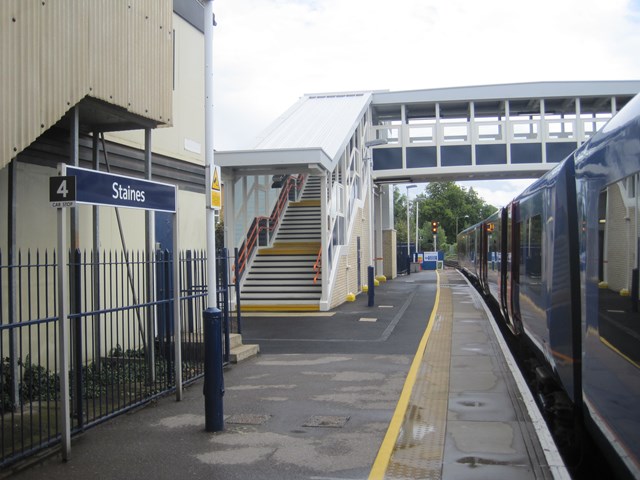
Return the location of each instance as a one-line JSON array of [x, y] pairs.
[[101, 188]]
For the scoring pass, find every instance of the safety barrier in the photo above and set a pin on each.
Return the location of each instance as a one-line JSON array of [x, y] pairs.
[[122, 338]]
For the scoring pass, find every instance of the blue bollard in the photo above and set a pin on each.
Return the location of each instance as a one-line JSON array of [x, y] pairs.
[[213, 374], [371, 287]]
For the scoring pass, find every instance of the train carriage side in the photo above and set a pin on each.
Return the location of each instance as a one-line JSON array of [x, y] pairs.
[[607, 183], [467, 251], [542, 277], [492, 255]]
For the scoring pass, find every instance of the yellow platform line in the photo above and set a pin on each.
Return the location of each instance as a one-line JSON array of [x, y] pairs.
[[381, 463]]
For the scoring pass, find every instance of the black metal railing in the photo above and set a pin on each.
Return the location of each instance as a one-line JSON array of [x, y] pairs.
[[122, 348]]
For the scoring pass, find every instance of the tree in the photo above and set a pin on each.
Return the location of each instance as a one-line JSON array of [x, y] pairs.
[[400, 215], [445, 203]]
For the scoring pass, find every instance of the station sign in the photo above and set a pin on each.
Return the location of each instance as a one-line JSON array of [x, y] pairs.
[[82, 186], [430, 256]]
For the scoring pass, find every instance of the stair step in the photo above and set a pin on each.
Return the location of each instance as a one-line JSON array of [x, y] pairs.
[[277, 282], [293, 250], [243, 352], [285, 258], [280, 288], [305, 203], [260, 270], [282, 277], [285, 297], [235, 340], [292, 306]]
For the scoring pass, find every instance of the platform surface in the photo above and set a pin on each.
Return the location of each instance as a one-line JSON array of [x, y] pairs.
[[414, 387]]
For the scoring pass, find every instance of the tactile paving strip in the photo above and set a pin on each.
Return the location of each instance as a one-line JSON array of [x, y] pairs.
[[419, 449]]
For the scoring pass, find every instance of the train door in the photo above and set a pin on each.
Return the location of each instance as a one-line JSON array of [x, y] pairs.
[[483, 248], [505, 265], [513, 268]]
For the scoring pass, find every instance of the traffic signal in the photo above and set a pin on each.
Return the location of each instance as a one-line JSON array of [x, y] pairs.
[[434, 227]]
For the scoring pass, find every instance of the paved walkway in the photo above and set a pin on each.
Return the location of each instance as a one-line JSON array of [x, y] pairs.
[[398, 391], [315, 404]]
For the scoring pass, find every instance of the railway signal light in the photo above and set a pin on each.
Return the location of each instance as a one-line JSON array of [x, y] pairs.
[[434, 227]]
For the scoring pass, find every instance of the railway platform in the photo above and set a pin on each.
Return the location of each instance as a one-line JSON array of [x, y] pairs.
[[418, 386], [465, 411]]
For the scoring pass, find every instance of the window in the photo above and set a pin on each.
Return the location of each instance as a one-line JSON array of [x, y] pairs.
[[531, 253], [618, 237]]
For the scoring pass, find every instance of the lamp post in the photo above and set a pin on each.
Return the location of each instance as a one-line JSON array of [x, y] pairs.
[[408, 226], [417, 230], [466, 216]]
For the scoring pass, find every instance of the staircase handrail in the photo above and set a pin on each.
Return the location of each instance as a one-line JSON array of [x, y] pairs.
[[258, 226], [317, 267]]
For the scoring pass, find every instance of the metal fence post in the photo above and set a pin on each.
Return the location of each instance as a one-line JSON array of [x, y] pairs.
[[75, 283], [63, 336], [213, 375], [224, 280], [370, 291]]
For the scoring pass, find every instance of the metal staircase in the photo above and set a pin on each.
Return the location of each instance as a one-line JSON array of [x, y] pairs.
[[281, 278]]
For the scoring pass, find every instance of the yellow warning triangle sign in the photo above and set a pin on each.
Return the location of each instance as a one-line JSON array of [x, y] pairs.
[[215, 185]]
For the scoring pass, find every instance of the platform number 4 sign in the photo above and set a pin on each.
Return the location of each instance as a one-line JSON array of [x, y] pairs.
[[62, 191]]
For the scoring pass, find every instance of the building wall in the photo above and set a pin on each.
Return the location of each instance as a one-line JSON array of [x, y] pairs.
[[347, 278], [57, 52], [184, 138], [389, 249]]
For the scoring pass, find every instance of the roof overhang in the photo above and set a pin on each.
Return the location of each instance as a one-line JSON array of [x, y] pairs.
[[510, 91], [273, 162]]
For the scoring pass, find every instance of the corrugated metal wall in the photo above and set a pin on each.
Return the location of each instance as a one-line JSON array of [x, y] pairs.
[[53, 53]]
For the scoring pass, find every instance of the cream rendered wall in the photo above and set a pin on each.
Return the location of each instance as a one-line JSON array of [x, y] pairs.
[[389, 249], [36, 225], [192, 220], [347, 278], [185, 139]]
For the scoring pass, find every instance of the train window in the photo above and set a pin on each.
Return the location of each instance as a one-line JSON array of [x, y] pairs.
[[618, 265], [531, 250]]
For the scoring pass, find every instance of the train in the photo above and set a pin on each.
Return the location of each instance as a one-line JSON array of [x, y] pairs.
[[560, 264]]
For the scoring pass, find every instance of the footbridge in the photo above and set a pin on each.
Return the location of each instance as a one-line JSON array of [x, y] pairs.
[[487, 132], [310, 207]]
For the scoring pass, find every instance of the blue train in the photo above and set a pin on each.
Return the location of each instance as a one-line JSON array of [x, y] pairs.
[[561, 264]]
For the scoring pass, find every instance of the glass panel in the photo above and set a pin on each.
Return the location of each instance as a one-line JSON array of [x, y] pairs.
[[489, 132], [560, 129], [390, 134], [531, 253], [421, 134], [525, 130], [619, 322], [455, 133]]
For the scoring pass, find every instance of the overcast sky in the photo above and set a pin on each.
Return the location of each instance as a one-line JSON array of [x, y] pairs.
[[268, 53]]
